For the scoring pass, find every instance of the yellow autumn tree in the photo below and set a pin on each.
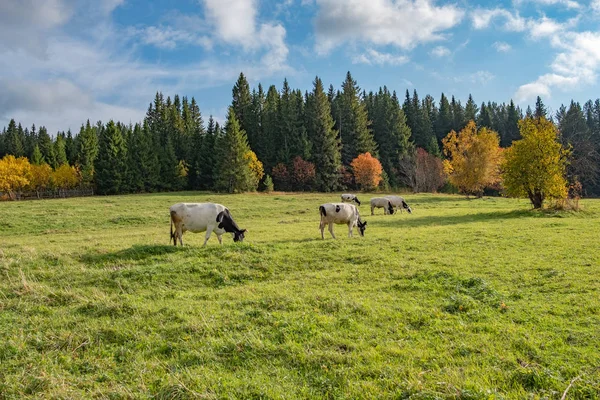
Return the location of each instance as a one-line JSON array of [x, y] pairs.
[[367, 171], [473, 158], [40, 177], [65, 177], [14, 174], [256, 168], [535, 166]]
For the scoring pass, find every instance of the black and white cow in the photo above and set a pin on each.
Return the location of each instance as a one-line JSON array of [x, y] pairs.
[[382, 202], [399, 203], [201, 217], [340, 213], [349, 198]]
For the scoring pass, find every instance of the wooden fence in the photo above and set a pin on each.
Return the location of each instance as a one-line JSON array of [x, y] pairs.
[[49, 194]]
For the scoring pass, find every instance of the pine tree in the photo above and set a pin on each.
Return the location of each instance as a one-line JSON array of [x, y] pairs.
[[540, 109], [511, 132], [233, 174], [443, 124], [528, 112], [12, 142], [36, 156], [269, 142], [409, 113], [70, 148], [47, 147], [458, 115], [485, 117], [111, 162], [353, 123], [471, 110], [206, 162], [326, 153], [60, 150], [243, 107], [87, 151]]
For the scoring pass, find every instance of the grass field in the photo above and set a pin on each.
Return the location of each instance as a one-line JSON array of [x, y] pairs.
[[463, 299]]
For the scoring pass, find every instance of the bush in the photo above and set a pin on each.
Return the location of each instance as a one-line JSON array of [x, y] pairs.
[[268, 184]]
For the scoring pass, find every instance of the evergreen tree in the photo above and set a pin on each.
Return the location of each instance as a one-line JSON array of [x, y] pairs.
[[60, 150], [47, 147], [243, 107], [2, 148], [12, 141], [70, 148], [353, 123], [420, 132], [540, 109], [111, 162], [270, 140], [36, 156], [207, 157], [443, 124], [87, 151], [485, 117], [511, 132], [471, 110], [233, 174], [458, 115], [292, 134], [324, 139], [409, 113], [528, 112]]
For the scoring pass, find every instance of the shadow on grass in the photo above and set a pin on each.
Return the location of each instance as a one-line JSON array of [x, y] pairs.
[[136, 252], [412, 221]]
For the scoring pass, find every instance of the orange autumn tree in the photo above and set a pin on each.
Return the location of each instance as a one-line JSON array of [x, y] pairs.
[[473, 158], [367, 171]]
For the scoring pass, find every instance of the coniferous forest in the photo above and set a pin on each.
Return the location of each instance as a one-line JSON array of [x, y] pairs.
[[299, 141]]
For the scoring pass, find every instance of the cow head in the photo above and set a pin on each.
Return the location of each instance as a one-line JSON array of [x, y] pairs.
[[406, 207], [357, 201], [390, 208], [238, 236], [361, 227]]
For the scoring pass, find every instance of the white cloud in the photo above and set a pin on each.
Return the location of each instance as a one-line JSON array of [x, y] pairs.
[[373, 57], [481, 77], [401, 23], [440, 51], [595, 5], [168, 37], [502, 47], [538, 28], [577, 63]]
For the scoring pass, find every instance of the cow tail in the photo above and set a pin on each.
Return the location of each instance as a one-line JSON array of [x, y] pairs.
[[172, 234], [322, 211]]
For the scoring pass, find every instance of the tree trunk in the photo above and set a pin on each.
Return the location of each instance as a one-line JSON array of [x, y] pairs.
[[536, 198]]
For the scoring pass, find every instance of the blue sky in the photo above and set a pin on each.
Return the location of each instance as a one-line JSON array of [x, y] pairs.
[[64, 61]]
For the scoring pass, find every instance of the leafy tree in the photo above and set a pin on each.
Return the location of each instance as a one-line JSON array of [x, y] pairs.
[[256, 169], [65, 177], [40, 177], [367, 171], [281, 176], [473, 158], [14, 174], [111, 163], [535, 166], [325, 143], [303, 174], [233, 173]]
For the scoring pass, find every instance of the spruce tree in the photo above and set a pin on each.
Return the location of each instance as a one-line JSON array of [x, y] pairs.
[[458, 115], [353, 123], [540, 109], [206, 162], [324, 139], [511, 132], [485, 118], [12, 141], [111, 163], [87, 151], [233, 174], [47, 147], [443, 124], [270, 139], [471, 110], [36, 156], [70, 148], [243, 107], [60, 150]]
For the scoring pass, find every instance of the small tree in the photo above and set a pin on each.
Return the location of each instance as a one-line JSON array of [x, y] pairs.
[[268, 184], [535, 166], [256, 167], [40, 177], [14, 174], [473, 158], [281, 176], [303, 174], [367, 171]]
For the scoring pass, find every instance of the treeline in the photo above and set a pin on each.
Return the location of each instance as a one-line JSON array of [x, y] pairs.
[[303, 141]]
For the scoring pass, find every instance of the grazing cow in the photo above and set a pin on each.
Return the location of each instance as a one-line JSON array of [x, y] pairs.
[[399, 203], [349, 198], [200, 217], [382, 202], [341, 213]]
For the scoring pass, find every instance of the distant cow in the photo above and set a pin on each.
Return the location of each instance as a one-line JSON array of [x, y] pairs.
[[349, 198], [200, 217], [382, 202], [399, 203], [341, 213]]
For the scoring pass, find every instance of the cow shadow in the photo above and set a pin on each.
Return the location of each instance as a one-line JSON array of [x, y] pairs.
[[133, 253], [432, 220]]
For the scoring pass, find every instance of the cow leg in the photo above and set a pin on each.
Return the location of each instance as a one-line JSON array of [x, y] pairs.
[[220, 239], [208, 232], [179, 234], [350, 229], [322, 228], [372, 208], [331, 229]]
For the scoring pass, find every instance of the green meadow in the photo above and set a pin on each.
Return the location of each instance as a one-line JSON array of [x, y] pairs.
[[463, 299]]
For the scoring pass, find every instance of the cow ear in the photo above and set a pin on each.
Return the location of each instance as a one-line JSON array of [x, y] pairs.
[[365, 223], [244, 230]]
